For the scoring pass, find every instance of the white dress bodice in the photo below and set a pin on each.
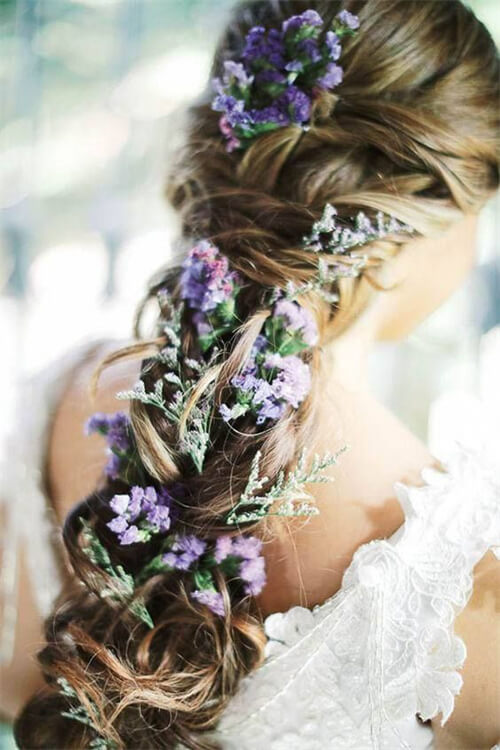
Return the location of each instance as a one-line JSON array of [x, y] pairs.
[[352, 673]]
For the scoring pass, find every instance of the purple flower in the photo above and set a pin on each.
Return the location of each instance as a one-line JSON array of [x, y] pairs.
[[225, 412], [235, 71], [333, 76], [119, 504], [118, 524], [272, 114], [118, 432], [295, 66], [130, 536], [293, 382], [135, 505], [348, 19], [252, 571], [149, 509], [188, 550], [308, 18], [296, 103], [270, 409], [159, 516], [206, 281], [113, 466], [270, 76], [309, 48], [248, 547], [263, 49], [223, 548], [333, 44], [212, 599], [98, 422], [297, 318]]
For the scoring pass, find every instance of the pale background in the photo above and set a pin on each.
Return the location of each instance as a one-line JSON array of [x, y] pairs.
[[92, 93]]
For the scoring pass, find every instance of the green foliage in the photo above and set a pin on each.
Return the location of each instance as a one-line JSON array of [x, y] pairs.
[[288, 490]]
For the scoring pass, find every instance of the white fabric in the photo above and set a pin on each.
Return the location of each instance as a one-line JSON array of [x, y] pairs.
[[353, 672], [28, 526]]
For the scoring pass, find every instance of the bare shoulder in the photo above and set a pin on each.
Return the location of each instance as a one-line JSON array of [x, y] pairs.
[[75, 461], [475, 721]]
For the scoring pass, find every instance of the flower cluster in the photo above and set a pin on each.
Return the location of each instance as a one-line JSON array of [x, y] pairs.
[[237, 557], [275, 377], [210, 289], [117, 431], [281, 71], [140, 514], [330, 236]]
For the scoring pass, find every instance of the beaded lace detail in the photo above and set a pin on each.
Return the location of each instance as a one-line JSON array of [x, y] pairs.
[[355, 671]]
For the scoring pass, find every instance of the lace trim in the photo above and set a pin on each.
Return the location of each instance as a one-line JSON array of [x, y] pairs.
[[382, 649]]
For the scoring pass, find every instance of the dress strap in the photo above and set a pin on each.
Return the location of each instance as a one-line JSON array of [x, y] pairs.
[[451, 523]]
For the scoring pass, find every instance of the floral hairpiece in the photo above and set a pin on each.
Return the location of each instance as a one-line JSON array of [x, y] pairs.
[[279, 74], [274, 378]]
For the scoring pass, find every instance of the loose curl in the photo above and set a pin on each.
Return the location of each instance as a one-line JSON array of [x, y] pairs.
[[413, 132]]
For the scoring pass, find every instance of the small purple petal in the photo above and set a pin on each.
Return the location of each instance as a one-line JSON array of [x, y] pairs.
[[212, 599], [248, 547], [254, 575], [225, 412], [118, 524], [348, 19], [130, 536], [223, 548], [119, 503]]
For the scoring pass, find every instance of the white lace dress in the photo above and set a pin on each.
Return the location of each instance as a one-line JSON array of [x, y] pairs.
[[354, 672]]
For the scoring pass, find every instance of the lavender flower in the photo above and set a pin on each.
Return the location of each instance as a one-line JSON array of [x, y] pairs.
[[263, 48], [117, 430], [279, 73], [184, 552], [210, 288], [212, 599], [296, 103], [308, 18], [140, 514], [332, 77], [223, 548], [293, 381], [333, 43], [298, 319], [252, 571], [274, 376], [348, 19]]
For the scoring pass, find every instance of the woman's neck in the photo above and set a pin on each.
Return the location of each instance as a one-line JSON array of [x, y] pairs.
[[307, 560]]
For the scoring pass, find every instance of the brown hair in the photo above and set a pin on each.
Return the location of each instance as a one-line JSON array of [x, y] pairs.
[[411, 131]]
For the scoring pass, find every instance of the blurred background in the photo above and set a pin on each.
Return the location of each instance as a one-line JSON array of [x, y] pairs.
[[92, 94]]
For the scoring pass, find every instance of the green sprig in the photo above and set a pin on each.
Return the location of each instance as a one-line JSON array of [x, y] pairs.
[[124, 590], [288, 489]]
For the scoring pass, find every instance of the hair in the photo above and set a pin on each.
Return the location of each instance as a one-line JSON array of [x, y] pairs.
[[413, 132]]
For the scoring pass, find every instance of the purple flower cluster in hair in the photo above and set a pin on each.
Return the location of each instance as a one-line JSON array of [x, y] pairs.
[[281, 71], [117, 431], [274, 376], [141, 514], [237, 557], [210, 288]]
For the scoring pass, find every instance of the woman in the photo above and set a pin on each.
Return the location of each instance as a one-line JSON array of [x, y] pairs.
[[223, 594]]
